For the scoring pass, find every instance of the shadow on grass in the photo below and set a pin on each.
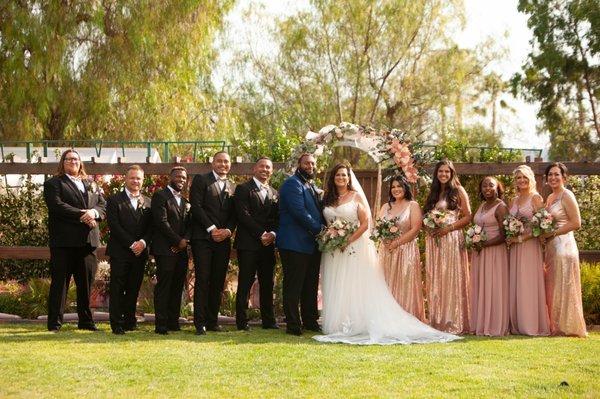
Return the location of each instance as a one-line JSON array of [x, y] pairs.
[[23, 333]]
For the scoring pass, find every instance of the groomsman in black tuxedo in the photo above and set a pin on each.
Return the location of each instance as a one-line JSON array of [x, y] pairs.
[[74, 209], [257, 216], [213, 217], [171, 233], [130, 222]]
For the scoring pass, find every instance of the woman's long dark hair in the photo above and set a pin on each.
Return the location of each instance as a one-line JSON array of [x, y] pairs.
[[405, 186], [331, 195], [450, 194]]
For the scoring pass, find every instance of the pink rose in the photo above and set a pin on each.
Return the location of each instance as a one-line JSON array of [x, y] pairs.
[[476, 238], [395, 146], [341, 232], [393, 229]]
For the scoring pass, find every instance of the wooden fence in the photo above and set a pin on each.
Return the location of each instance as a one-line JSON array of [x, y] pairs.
[[367, 178]]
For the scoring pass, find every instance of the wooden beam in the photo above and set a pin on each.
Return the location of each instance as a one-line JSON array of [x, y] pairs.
[[495, 168]]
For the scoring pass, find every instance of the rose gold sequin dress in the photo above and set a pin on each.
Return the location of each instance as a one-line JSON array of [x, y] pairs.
[[563, 285], [447, 270], [402, 269], [528, 310], [489, 280]]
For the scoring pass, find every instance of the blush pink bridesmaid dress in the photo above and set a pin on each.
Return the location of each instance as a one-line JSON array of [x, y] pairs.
[[563, 283], [447, 271], [489, 280], [402, 269], [528, 310]]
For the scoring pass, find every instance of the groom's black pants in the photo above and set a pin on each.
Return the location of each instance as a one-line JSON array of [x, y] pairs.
[[300, 287]]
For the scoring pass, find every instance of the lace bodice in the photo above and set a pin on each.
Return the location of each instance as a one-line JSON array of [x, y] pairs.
[[347, 211]]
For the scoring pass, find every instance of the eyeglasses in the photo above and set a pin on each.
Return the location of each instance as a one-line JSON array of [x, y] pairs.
[[71, 159]]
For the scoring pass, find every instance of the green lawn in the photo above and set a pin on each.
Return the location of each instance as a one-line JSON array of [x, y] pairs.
[[73, 363]]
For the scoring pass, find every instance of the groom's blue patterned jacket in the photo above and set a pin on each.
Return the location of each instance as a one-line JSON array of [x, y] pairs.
[[300, 217]]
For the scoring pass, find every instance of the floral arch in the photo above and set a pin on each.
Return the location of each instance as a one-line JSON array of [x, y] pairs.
[[391, 150]]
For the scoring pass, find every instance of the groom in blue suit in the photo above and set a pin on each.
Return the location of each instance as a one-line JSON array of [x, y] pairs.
[[300, 220]]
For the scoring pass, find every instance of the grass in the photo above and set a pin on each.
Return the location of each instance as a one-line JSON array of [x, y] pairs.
[[73, 363]]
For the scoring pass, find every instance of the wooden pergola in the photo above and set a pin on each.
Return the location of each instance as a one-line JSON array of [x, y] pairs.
[[368, 180]]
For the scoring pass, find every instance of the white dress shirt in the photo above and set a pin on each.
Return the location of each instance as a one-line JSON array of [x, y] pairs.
[[221, 184], [176, 194]]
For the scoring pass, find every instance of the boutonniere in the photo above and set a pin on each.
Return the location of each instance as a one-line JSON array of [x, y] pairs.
[[188, 206], [275, 198], [319, 192], [141, 203], [93, 188]]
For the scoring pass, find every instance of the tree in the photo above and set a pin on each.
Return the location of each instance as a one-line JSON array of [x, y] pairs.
[[387, 63], [562, 72], [113, 69]]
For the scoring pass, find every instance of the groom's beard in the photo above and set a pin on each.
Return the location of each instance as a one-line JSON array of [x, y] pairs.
[[305, 175]]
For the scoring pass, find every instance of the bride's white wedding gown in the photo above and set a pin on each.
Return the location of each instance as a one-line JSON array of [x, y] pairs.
[[358, 307]]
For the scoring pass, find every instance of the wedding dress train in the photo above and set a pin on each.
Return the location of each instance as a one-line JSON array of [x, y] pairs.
[[358, 307]]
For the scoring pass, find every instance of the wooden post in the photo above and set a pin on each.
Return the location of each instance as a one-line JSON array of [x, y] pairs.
[[539, 178], [377, 199]]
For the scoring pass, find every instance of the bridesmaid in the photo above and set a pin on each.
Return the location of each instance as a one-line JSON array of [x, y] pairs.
[[400, 257], [489, 266], [563, 285], [528, 311], [446, 259]]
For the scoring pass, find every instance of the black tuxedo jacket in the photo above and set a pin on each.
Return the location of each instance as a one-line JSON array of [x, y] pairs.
[[170, 223], [210, 206], [128, 225], [65, 202], [254, 216]]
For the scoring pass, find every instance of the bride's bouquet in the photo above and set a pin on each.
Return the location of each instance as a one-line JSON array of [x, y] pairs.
[[542, 222], [514, 226], [475, 236], [336, 235], [385, 229]]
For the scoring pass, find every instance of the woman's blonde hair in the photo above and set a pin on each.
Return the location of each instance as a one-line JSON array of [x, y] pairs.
[[528, 173]]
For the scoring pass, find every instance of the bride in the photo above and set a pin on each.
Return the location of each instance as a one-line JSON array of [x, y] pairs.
[[358, 307]]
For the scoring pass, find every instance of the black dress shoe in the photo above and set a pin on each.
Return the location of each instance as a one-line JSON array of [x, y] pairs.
[[130, 328], [270, 326], [244, 327], [293, 331], [53, 329], [174, 328], [161, 331], [89, 327], [216, 328], [316, 328], [201, 331], [118, 331]]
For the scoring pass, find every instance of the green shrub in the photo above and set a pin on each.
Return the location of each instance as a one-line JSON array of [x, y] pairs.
[[590, 292], [23, 218], [32, 301]]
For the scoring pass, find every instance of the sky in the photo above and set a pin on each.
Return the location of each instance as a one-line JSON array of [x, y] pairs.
[[485, 18]]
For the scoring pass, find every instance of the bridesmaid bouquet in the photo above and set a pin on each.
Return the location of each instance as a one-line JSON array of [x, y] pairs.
[[542, 222], [475, 236], [336, 235], [385, 229], [436, 219], [513, 226]]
